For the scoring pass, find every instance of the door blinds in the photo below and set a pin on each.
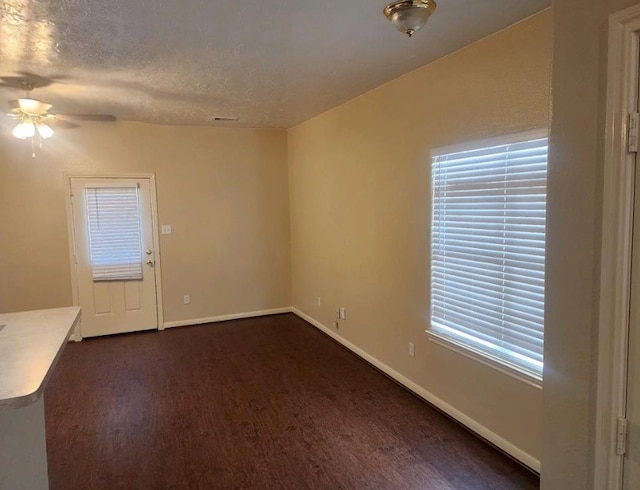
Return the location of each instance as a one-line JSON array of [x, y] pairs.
[[114, 233], [488, 251]]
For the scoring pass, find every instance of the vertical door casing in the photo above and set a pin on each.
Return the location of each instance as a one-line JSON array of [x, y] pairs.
[[631, 439]]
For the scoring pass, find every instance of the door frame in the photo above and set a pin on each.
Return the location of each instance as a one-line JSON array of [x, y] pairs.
[[617, 234], [77, 335]]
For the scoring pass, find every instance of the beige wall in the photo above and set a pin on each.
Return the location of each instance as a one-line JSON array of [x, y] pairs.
[[574, 236], [225, 192], [360, 199]]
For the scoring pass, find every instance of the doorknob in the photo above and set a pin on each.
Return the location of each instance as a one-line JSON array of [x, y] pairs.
[[149, 251], [150, 263]]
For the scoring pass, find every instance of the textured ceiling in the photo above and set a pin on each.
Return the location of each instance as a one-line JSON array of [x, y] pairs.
[[272, 63]]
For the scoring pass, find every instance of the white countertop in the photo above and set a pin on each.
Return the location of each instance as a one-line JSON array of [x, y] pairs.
[[30, 345]]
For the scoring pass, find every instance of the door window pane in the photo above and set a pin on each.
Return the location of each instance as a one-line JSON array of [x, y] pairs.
[[115, 242]]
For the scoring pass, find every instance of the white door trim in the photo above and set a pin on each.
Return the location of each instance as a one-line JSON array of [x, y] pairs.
[[77, 336], [617, 228]]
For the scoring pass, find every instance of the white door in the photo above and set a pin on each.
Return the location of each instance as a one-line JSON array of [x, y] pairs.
[[114, 255]]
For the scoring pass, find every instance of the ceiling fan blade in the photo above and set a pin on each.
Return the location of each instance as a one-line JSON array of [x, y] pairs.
[[24, 79], [19, 83], [39, 81], [86, 117], [61, 123]]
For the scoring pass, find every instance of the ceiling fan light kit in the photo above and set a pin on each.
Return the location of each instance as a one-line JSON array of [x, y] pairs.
[[409, 16], [34, 119], [32, 116]]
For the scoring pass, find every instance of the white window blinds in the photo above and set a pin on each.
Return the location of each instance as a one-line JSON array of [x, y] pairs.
[[114, 233], [488, 251]]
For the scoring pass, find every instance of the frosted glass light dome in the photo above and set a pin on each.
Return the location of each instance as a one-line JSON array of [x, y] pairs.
[[24, 130], [45, 131]]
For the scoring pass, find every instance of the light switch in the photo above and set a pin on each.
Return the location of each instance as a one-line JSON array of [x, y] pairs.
[[165, 229]]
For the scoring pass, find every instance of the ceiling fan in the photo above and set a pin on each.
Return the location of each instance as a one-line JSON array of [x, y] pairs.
[[34, 117]]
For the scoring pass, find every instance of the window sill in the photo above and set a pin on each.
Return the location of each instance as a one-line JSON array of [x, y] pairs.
[[464, 350]]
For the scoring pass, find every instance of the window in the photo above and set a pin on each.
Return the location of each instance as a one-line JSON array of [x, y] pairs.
[[488, 249], [114, 233]]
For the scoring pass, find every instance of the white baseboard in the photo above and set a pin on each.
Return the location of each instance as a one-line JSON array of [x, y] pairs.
[[224, 318], [522, 456]]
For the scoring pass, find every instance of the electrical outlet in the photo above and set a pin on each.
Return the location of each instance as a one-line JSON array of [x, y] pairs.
[[342, 313], [187, 299], [318, 302], [412, 349], [165, 230]]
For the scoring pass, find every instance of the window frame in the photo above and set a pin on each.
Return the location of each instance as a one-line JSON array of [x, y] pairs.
[[452, 343]]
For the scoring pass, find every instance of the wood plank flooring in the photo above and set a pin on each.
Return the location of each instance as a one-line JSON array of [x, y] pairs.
[[259, 403]]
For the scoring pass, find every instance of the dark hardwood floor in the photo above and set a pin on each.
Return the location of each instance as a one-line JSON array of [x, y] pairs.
[[260, 403]]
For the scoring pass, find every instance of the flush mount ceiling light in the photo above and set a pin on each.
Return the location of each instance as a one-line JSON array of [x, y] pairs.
[[409, 16]]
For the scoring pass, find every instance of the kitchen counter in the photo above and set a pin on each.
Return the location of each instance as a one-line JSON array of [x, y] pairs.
[[31, 343]]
